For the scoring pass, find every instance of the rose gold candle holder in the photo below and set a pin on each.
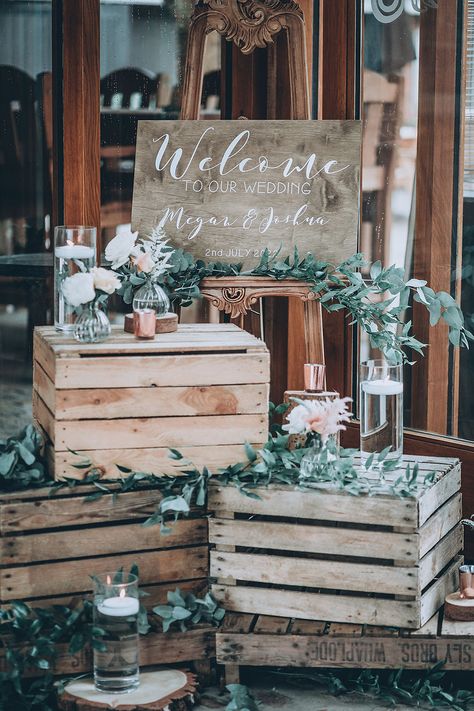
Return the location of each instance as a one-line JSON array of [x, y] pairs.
[[144, 323], [314, 377], [466, 581]]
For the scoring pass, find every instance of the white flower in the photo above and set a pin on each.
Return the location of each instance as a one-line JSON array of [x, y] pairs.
[[120, 248], [322, 416], [105, 280], [79, 288]]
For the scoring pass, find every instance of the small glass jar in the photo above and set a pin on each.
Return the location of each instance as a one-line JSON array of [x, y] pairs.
[[116, 611], [92, 325], [151, 296]]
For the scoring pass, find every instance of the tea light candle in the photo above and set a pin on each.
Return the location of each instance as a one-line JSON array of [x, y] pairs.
[[120, 606], [144, 323], [74, 251], [382, 387]]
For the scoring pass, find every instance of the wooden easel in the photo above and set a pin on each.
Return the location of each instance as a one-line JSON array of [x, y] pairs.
[[251, 24]]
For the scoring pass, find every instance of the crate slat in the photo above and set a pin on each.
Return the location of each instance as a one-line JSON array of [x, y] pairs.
[[28, 581], [100, 403], [135, 433], [60, 545], [329, 540], [303, 572], [153, 460]]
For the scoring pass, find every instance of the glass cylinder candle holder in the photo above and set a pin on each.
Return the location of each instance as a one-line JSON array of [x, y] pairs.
[[381, 408], [74, 251], [116, 607]]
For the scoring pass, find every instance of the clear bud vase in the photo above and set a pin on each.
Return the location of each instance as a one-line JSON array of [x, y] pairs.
[[92, 325], [116, 611], [151, 296]]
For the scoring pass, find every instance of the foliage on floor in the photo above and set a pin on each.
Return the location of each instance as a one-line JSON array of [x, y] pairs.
[[431, 688]]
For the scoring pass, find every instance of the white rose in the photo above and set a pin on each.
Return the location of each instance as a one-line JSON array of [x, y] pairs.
[[105, 280], [79, 288], [120, 247]]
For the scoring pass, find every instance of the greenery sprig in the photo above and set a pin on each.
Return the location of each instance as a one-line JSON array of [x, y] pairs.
[[21, 461], [377, 304], [187, 610]]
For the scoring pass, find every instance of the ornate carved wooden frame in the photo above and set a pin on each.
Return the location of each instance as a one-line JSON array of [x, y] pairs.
[[235, 296], [249, 24]]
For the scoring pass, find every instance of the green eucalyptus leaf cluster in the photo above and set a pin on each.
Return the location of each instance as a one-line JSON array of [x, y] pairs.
[[30, 637], [377, 303], [21, 462], [187, 610]]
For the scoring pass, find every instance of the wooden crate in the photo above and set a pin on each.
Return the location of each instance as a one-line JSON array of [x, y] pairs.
[[203, 390], [259, 640], [51, 541], [326, 555]]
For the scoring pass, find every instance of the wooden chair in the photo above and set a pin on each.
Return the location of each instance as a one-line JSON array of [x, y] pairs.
[[127, 88], [382, 111]]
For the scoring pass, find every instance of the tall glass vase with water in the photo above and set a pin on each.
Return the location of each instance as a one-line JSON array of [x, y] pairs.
[[74, 251], [116, 608], [381, 408]]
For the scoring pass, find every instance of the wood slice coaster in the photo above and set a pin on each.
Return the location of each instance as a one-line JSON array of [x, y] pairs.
[[169, 689], [164, 324], [457, 608]]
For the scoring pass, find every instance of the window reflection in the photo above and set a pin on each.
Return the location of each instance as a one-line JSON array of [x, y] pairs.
[[25, 196], [141, 78]]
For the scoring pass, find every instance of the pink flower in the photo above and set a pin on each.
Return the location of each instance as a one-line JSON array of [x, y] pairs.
[[144, 262], [322, 416]]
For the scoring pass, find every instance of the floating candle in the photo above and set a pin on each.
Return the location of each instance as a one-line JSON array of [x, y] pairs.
[[74, 251], [382, 387], [120, 606]]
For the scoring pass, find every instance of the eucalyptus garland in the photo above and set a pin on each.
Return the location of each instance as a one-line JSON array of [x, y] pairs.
[[377, 303]]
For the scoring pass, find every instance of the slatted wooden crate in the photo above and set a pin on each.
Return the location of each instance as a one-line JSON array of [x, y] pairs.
[[52, 541], [259, 640], [326, 555], [202, 389]]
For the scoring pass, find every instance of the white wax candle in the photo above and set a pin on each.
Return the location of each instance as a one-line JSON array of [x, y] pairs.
[[74, 251], [119, 606], [382, 387]]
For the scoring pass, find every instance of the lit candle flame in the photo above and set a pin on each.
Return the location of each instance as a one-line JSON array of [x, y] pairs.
[[70, 243], [109, 580], [122, 592]]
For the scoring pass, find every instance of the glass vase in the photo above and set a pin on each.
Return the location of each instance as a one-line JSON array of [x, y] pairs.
[[92, 325], [151, 296], [74, 251], [381, 408], [310, 461], [116, 609]]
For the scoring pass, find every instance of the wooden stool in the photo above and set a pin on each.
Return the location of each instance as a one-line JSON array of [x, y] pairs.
[[166, 689]]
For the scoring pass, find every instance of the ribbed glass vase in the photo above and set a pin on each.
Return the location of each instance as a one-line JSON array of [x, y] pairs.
[[151, 296], [92, 325]]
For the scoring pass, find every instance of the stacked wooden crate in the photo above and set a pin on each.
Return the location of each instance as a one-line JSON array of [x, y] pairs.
[[328, 556], [202, 390], [52, 541]]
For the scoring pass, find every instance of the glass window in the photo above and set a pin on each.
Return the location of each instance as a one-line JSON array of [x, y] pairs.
[[25, 194], [143, 49]]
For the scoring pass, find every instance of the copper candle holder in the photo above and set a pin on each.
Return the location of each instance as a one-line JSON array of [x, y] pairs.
[[314, 377], [466, 581], [144, 323]]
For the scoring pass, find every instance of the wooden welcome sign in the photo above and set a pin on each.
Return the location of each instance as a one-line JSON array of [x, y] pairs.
[[227, 190]]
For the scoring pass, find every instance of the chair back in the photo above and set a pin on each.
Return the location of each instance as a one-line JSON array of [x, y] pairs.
[[128, 88]]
